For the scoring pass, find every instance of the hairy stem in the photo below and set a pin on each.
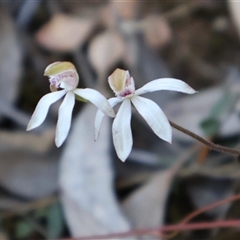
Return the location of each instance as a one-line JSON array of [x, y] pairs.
[[209, 144]]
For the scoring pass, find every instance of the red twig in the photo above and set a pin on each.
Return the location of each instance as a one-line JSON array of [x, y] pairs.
[[207, 208], [202, 210], [175, 227]]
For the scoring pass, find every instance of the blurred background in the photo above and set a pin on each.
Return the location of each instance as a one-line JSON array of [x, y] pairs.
[[82, 188]]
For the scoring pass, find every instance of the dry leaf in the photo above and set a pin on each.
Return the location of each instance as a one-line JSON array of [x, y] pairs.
[[65, 32], [146, 206], [86, 180], [26, 169], [26, 141], [105, 51], [29, 175], [157, 32]]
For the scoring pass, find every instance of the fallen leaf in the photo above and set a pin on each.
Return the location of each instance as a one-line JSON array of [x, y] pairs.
[[28, 175], [65, 32], [26, 141], [156, 30], [146, 206], [28, 167], [105, 51], [87, 181]]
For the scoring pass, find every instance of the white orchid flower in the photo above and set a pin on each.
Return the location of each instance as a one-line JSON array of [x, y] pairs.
[[123, 86], [63, 76]]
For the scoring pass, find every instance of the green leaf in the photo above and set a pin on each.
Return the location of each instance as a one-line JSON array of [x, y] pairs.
[[224, 104], [23, 229], [55, 221], [40, 213], [210, 126]]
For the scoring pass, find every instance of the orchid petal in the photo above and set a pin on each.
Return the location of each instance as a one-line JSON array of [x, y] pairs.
[[42, 108], [64, 118], [154, 116], [97, 99], [100, 115], [121, 130], [171, 84]]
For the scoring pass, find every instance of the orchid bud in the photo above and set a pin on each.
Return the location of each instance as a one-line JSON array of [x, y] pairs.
[[62, 75], [121, 83]]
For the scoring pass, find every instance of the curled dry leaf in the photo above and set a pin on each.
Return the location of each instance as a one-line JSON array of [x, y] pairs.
[[105, 51], [157, 31], [64, 32]]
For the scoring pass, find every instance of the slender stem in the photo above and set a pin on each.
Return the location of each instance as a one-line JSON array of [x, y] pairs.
[[209, 144]]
